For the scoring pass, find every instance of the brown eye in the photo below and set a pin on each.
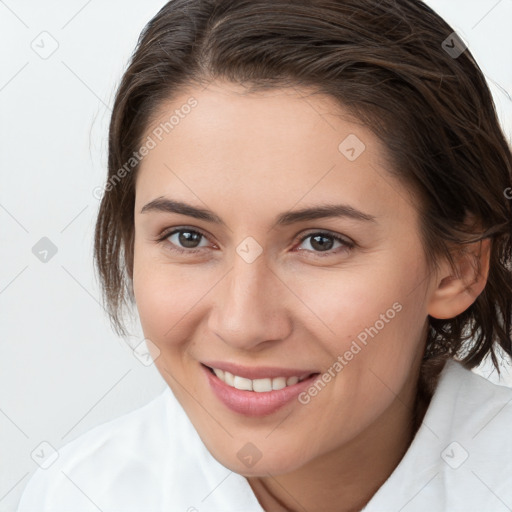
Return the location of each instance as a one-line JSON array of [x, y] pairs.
[[321, 242], [186, 240], [189, 239]]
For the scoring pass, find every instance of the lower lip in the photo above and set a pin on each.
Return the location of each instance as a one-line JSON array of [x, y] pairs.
[[252, 403]]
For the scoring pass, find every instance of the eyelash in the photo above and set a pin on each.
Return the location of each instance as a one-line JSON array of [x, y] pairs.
[[347, 244]]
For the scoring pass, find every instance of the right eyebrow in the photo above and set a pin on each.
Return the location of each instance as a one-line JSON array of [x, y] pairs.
[[162, 204]]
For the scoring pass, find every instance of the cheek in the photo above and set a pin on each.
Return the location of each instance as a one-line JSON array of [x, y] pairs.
[[345, 302], [373, 319], [170, 298], [162, 294]]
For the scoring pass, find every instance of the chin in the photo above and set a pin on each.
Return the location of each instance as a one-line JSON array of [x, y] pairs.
[[249, 461]]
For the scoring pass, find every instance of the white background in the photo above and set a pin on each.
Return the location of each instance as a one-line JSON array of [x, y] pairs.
[[62, 370]]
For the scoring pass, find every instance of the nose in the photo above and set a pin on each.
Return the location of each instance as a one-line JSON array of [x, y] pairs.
[[250, 306]]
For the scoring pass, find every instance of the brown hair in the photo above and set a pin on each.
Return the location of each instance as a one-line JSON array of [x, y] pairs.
[[386, 63]]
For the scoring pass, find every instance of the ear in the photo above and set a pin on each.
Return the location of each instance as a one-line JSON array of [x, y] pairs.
[[458, 288]]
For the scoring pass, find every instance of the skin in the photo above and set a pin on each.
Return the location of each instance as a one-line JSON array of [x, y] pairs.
[[249, 157]]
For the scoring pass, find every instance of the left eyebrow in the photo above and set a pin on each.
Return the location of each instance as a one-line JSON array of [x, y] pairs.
[[322, 212]]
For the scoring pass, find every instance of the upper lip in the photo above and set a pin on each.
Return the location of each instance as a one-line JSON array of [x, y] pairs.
[[258, 372]]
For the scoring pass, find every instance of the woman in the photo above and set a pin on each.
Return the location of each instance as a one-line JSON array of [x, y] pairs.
[[307, 202]]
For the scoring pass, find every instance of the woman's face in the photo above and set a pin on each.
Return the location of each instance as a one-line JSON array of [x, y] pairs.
[[272, 243]]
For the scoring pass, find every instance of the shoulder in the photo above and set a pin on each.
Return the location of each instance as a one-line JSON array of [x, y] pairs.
[[471, 416], [461, 457], [85, 470], [478, 403]]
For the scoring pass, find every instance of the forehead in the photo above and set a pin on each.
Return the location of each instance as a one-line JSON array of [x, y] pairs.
[[277, 146]]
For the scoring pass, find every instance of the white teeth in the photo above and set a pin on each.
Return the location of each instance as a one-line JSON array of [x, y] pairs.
[[279, 383], [262, 385], [290, 381], [257, 385], [229, 379], [242, 383], [219, 373]]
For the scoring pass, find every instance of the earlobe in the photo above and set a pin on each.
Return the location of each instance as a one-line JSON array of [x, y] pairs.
[[456, 291]]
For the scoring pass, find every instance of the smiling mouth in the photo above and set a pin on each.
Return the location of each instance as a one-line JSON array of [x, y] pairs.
[[263, 385]]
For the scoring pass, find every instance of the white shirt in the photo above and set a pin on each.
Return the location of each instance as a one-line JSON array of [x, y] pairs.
[[153, 460]]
